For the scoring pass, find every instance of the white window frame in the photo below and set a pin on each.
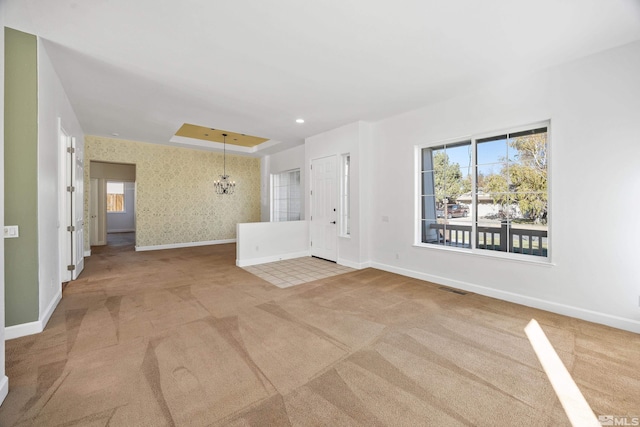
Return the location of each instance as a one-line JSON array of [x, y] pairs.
[[346, 167], [473, 250], [289, 198]]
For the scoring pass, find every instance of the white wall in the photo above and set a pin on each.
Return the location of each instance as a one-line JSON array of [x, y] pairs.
[[594, 109], [283, 161], [4, 381], [260, 242], [124, 221], [52, 104], [354, 139]]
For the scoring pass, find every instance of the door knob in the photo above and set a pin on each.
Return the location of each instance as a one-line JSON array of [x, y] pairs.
[[332, 222]]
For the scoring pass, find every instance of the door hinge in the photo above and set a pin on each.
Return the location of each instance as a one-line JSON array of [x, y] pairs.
[[312, 192], [71, 228], [71, 150], [71, 189], [311, 243], [71, 267]]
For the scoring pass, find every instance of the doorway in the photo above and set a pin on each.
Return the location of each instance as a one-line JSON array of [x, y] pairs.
[[324, 202], [112, 205]]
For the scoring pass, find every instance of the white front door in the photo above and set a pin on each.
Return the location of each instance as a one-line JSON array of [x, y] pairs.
[[324, 203]]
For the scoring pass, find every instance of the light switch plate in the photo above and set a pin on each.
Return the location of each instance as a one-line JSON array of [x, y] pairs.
[[11, 231]]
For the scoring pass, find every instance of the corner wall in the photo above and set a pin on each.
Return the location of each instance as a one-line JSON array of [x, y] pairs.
[[53, 107], [594, 180], [35, 101], [4, 381], [20, 177], [355, 139]]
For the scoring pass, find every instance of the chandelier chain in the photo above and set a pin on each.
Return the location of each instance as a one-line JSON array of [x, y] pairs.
[[224, 185]]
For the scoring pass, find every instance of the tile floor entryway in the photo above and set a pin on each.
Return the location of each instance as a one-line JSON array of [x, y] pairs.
[[296, 271]]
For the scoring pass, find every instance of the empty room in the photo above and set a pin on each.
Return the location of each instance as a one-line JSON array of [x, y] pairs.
[[334, 213]]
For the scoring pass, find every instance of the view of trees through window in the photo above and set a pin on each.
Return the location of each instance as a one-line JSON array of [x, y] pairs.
[[494, 189]]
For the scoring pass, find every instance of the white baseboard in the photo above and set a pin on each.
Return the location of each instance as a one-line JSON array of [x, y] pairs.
[[356, 265], [121, 230], [22, 330], [31, 328], [50, 309], [272, 258], [183, 245], [87, 253], [4, 388], [554, 307]]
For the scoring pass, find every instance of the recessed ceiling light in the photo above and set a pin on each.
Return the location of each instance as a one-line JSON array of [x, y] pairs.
[[299, 120], [115, 134]]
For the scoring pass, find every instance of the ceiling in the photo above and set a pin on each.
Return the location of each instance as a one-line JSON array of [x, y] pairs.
[[218, 135], [141, 69]]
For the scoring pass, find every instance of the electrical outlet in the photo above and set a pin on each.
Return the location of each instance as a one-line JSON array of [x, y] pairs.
[[397, 256], [11, 231]]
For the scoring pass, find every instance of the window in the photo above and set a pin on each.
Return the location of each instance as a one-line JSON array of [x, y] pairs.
[[487, 193], [115, 197], [285, 193], [345, 197]]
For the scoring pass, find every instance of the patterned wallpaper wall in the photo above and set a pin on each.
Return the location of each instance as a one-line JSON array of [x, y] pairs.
[[175, 201]]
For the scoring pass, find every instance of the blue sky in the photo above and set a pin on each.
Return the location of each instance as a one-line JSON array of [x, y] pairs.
[[489, 154]]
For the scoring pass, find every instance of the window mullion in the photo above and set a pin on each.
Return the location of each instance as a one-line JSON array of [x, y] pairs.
[[474, 195], [509, 192]]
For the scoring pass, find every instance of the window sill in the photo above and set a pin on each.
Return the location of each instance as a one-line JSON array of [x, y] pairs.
[[521, 259]]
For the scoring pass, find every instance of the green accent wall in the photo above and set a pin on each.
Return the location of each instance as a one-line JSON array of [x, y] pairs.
[[20, 177]]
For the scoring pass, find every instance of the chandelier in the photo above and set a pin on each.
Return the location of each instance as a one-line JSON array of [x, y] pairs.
[[224, 185]]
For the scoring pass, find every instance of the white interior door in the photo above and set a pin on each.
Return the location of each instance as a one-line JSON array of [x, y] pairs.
[[77, 209], [64, 213], [324, 203], [70, 212]]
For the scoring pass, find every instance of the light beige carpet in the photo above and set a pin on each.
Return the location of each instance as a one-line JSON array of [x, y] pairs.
[[184, 338]]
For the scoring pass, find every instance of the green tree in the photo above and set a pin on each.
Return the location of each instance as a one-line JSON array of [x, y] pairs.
[[498, 187], [448, 178], [528, 175], [523, 180]]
